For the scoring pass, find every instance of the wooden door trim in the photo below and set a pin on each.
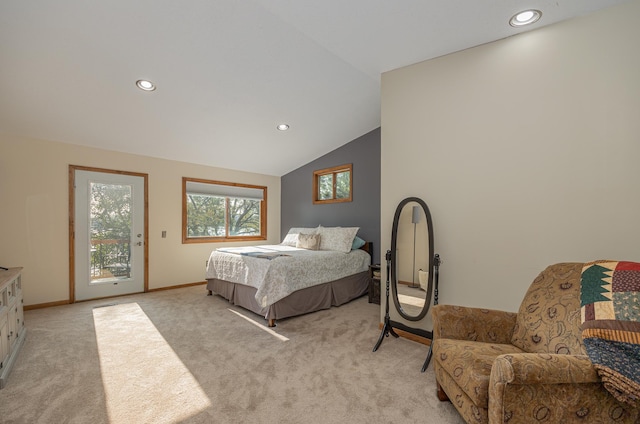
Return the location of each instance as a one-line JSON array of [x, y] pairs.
[[72, 222]]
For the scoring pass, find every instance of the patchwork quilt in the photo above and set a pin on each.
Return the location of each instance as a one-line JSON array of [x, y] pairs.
[[610, 309]]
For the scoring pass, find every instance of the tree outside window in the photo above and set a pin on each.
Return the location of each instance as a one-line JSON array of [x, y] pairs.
[[110, 230], [215, 211]]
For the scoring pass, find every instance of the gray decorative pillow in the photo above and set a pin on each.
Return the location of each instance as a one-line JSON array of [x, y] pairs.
[[308, 241]]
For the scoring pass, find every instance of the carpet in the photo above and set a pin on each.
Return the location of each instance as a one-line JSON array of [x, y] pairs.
[[179, 356]]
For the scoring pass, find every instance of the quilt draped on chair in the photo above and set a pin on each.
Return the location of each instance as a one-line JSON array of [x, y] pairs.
[[610, 309]]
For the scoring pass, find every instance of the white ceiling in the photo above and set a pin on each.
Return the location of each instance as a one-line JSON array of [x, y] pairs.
[[227, 71]]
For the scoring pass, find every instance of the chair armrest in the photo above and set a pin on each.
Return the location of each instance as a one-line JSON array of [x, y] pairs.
[[473, 324], [558, 388], [543, 368]]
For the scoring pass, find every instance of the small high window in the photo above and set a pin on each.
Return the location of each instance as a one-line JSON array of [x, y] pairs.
[[333, 185], [216, 211]]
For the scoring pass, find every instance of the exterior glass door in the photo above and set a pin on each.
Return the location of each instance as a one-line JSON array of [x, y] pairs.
[[109, 234]]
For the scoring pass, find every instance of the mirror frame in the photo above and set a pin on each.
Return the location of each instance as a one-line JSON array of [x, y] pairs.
[[394, 260]]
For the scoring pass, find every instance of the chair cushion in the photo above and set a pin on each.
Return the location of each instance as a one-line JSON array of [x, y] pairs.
[[549, 317], [469, 364]]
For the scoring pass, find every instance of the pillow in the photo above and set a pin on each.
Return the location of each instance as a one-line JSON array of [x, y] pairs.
[[308, 241], [337, 238], [357, 243], [291, 239]]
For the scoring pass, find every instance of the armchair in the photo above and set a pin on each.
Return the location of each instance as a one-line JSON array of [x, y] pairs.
[[529, 367]]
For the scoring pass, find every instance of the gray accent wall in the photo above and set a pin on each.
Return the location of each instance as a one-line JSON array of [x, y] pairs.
[[297, 208]]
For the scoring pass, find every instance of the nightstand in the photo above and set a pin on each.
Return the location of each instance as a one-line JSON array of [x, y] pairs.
[[374, 283]]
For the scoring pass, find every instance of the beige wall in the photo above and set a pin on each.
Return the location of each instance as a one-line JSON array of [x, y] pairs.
[[34, 213], [527, 151]]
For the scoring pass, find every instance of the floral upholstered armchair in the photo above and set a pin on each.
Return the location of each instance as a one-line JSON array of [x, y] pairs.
[[529, 367]]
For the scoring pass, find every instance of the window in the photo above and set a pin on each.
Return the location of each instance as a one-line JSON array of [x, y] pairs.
[[332, 185], [215, 211]]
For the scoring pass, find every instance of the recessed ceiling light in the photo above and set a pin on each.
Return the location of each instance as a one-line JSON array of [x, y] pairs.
[[145, 85], [526, 17], [283, 127]]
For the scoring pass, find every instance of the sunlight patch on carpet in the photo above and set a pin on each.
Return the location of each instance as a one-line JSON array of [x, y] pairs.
[[261, 326], [144, 379]]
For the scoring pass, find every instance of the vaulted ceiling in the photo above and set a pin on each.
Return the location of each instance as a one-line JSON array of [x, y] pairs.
[[228, 71]]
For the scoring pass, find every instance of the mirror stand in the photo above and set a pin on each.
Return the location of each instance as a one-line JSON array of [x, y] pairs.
[[411, 301], [387, 328], [436, 268]]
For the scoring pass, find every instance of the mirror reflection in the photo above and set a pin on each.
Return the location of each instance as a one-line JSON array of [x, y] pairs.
[[412, 259]]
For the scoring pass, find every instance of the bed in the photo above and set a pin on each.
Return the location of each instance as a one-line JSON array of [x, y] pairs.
[[312, 269]]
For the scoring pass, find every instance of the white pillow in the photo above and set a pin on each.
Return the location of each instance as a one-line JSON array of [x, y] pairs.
[[291, 239], [337, 238]]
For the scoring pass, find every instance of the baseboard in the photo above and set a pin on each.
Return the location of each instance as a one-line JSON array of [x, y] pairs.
[[179, 286], [46, 305], [409, 336]]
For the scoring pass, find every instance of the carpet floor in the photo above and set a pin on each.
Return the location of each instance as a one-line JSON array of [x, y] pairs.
[[179, 356]]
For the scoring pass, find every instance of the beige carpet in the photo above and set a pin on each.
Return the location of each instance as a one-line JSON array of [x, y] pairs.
[[179, 356]]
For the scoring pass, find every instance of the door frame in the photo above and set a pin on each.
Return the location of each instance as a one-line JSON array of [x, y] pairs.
[[72, 222]]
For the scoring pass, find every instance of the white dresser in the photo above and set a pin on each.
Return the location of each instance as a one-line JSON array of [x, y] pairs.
[[12, 329]]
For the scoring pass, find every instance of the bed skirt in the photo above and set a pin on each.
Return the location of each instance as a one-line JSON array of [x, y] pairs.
[[310, 299]]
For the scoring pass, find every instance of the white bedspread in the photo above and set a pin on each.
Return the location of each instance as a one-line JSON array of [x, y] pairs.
[[286, 270]]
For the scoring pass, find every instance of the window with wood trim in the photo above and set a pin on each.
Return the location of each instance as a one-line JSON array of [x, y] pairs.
[[217, 211], [333, 185]]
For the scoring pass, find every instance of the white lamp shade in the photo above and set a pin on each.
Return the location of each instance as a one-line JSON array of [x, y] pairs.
[[415, 215]]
